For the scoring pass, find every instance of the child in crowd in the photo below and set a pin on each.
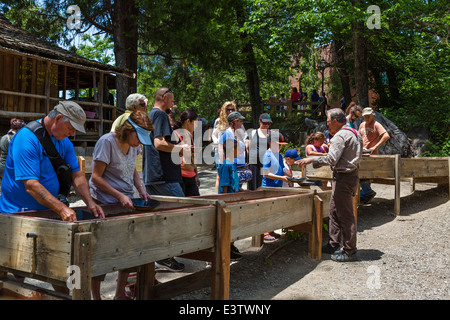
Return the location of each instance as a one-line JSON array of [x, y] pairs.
[[273, 170], [315, 146], [290, 156], [229, 179]]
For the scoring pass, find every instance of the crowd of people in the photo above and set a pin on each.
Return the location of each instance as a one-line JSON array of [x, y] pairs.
[[30, 182]]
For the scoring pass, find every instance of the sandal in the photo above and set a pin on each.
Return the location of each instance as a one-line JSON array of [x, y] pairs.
[[269, 238]]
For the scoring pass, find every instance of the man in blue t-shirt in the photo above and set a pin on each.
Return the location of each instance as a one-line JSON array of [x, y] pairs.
[[30, 182], [273, 162]]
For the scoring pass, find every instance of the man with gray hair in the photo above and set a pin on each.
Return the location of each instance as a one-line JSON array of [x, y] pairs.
[[343, 156], [30, 182], [134, 102]]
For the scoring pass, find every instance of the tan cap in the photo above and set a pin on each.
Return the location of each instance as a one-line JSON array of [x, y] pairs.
[[368, 111], [74, 112]]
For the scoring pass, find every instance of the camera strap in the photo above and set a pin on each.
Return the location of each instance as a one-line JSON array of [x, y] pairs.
[[62, 169]]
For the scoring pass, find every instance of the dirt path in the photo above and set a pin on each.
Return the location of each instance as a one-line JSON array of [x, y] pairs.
[[404, 257]]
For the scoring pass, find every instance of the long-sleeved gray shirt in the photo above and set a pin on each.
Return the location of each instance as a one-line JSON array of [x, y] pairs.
[[344, 153]]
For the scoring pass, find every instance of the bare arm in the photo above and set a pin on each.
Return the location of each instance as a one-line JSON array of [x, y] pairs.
[[98, 168], [82, 189], [45, 198]]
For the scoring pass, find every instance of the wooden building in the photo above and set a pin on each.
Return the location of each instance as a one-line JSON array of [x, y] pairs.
[[35, 75]]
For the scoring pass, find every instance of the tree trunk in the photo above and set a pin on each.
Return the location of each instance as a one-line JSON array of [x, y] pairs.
[[339, 61], [125, 35], [361, 69], [250, 66]]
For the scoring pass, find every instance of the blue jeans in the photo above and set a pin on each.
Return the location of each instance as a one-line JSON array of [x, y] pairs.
[[165, 189], [366, 191]]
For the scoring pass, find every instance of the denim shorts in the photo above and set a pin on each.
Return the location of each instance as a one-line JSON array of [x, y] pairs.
[[165, 189]]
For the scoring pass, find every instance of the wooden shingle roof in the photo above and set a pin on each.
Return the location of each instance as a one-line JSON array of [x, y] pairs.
[[16, 39]]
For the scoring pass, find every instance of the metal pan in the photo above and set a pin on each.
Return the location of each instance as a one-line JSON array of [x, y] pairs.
[[84, 215], [296, 179], [142, 205]]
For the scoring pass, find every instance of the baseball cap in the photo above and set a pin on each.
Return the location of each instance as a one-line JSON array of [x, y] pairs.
[[292, 153], [265, 117], [143, 134], [367, 111], [235, 115], [74, 112], [276, 136]]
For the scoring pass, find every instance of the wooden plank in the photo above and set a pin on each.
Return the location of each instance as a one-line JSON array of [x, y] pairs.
[[315, 246], [143, 238], [82, 254], [25, 291], [145, 281], [220, 271], [397, 185], [256, 217], [423, 167], [82, 164], [47, 255]]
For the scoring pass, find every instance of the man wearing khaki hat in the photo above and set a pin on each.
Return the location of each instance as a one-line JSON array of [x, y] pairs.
[[374, 136], [30, 182]]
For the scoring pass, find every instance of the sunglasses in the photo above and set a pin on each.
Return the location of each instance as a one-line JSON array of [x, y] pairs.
[[166, 92], [230, 110]]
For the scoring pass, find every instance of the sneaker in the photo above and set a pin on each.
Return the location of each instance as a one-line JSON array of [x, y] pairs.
[[234, 253], [368, 198], [342, 256], [169, 264], [328, 248]]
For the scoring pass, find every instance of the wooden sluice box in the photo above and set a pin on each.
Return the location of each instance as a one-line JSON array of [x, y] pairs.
[[37, 244]]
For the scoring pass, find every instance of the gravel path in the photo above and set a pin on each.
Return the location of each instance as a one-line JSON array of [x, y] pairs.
[[404, 257]]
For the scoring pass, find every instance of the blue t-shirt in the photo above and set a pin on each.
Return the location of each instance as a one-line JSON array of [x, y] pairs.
[[274, 163], [27, 160], [228, 134], [228, 177]]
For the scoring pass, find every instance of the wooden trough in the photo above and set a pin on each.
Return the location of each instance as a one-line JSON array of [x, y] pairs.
[[37, 244], [385, 169]]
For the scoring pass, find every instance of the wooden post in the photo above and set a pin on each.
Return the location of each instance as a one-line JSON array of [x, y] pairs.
[[82, 258], [220, 271], [48, 80], [316, 234], [356, 200], [145, 281], [397, 184]]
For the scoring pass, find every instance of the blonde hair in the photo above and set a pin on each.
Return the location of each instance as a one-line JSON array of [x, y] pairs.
[[315, 136], [223, 121]]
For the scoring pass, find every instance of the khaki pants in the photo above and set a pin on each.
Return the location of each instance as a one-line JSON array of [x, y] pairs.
[[342, 221]]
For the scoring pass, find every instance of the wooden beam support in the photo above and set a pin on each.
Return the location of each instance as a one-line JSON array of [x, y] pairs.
[[82, 258], [220, 271]]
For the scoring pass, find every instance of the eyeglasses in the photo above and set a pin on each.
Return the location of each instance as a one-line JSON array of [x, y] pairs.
[[142, 104], [267, 123]]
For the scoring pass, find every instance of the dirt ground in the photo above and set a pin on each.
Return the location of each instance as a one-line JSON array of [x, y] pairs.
[[402, 257]]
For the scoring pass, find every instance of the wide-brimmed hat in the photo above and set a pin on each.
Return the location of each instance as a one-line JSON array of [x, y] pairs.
[[367, 112], [74, 112], [143, 134]]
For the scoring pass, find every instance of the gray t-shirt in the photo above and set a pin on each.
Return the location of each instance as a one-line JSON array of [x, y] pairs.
[[119, 171]]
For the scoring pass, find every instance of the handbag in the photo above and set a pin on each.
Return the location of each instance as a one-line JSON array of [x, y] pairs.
[[187, 162], [244, 173]]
